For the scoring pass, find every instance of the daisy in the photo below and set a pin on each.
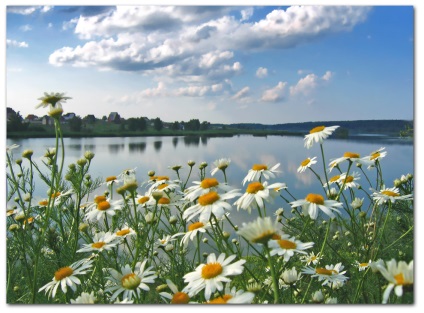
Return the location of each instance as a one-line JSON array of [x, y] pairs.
[[85, 298], [256, 193], [333, 180], [54, 101], [398, 275], [130, 282], [331, 274], [312, 258], [12, 147], [389, 194], [290, 276], [128, 176], [351, 157], [66, 276], [232, 296], [111, 180], [286, 246], [318, 134], [362, 266], [259, 231], [164, 185], [101, 241], [259, 170], [349, 181], [211, 275], [210, 203], [162, 243], [177, 297], [313, 202], [220, 164], [59, 196], [204, 186], [376, 155], [124, 232], [306, 164], [103, 209], [192, 230]]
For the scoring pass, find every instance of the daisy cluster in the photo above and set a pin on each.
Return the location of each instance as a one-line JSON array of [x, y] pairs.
[[163, 238]]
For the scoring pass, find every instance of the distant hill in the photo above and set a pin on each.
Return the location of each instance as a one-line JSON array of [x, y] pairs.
[[384, 127]]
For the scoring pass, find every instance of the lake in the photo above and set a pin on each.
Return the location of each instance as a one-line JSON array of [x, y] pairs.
[[113, 155]]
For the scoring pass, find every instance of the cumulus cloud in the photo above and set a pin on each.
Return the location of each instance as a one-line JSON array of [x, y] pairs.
[[15, 43], [275, 94], [309, 83], [262, 72], [198, 91], [242, 93], [141, 38], [27, 10], [246, 14], [158, 91]]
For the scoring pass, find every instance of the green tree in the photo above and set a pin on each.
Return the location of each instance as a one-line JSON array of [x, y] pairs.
[[205, 125], [175, 126], [15, 122], [75, 124], [157, 124]]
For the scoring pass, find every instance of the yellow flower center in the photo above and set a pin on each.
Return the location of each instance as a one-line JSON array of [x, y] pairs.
[[164, 200], [349, 179], [211, 270], [194, 226], [390, 193], [324, 271], [98, 245], [143, 200], [208, 198], [103, 206], [130, 281], [122, 232], [287, 244], [110, 178], [209, 183], [43, 202], [363, 264], [220, 300], [99, 199], [334, 178], [159, 178], [374, 155], [314, 198], [276, 237], [259, 167], [351, 155], [63, 272], [180, 298], [254, 187], [400, 279], [162, 186], [264, 237], [55, 195], [305, 162], [317, 129]]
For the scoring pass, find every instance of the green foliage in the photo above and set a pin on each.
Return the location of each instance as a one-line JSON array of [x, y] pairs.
[[157, 124], [15, 123], [75, 124]]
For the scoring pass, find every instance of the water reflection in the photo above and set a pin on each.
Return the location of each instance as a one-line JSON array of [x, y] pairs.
[[137, 147], [157, 145], [116, 148], [175, 141], [191, 141]]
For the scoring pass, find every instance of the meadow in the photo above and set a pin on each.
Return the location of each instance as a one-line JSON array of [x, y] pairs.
[[165, 240]]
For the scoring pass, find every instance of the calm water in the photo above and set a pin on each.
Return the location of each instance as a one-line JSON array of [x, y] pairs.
[[113, 155]]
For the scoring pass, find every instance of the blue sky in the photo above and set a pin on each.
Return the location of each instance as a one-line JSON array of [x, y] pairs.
[[227, 64]]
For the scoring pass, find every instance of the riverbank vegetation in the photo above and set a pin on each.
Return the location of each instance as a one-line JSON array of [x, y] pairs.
[[150, 238]]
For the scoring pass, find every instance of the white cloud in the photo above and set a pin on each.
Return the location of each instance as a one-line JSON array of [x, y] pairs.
[[275, 94], [262, 72], [27, 10], [242, 93], [198, 91], [14, 43], [246, 14], [160, 90], [309, 83], [212, 58], [25, 28]]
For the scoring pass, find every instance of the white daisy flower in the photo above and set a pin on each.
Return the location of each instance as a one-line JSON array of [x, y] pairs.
[[376, 155], [357, 203], [290, 276], [124, 232], [389, 194], [398, 274], [312, 258], [162, 243], [318, 134], [177, 297], [192, 230], [211, 275], [103, 209], [331, 274], [256, 193], [349, 181], [259, 170], [205, 186], [305, 164], [165, 186], [210, 203], [111, 180], [128, 176], [220, 164], [351, 157], [66, 277], [85, 298], [101, 241], [259, 231], [130, 282], [362, 266], [286, 246], [232, 296], [313, 202], [12, 147]]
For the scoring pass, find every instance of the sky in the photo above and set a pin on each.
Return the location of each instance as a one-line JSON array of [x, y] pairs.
[[222, 64]]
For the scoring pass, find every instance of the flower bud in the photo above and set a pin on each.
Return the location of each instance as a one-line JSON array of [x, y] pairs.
[[205, 240], [82, 162], [83, 226], [88, 155], [151, 173], [191, 163], [14, 227], [226, 234], [27, 154], [18, 161], [173, 220]]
